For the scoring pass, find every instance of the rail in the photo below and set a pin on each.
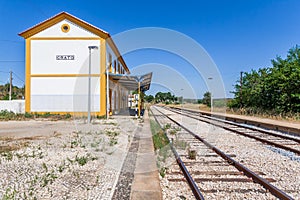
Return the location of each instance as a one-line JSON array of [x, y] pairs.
[[256, 178]]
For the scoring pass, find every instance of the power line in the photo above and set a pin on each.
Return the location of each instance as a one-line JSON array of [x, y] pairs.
[[4, 72], [18, 77]]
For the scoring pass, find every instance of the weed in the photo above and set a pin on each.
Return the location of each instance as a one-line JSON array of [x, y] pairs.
[[162, 172], [81, 160], [45, 167], [101, 116], [61, 168], [113, 141], [46, 115], [74, 143], [8, 155], [28, 115], [167, 126], [165, 152], [177, 128], [173, 132], [48, 178], [67, 116], [110, 123], [154, 127], [9, 115], [192, 154], [111, 133], [160, 140], [9, 195]]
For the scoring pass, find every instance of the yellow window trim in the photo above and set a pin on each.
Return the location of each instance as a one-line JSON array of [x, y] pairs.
[[64, 75]]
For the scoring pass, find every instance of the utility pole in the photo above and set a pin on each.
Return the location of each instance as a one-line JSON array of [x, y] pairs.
[[10, 84], [241, 86]]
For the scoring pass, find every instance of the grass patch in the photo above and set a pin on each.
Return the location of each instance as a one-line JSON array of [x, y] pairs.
[[9, 194], [112, 137], [111, 133], [6, 115], [110, 123], [167, 126], [81, 160], [160, 140], [101, 116], [162, 172]]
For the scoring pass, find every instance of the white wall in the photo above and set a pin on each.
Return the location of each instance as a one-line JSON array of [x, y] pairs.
[[16, 106], [59, 90], [44, 52], [55, 31], [64, 94]]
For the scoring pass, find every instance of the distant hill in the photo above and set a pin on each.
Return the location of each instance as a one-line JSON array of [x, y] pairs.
[[17, 93]]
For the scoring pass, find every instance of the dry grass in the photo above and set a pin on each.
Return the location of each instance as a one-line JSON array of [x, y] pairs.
[[205, 108]]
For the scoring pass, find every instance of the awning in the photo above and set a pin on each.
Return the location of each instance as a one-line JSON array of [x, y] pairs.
[[132, 82]]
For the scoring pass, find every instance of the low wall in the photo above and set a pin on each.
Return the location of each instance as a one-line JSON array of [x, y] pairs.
[[16, 106]]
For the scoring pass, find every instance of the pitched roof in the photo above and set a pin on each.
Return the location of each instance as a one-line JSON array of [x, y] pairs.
[[64, 15], [59, 17], [132, 82]]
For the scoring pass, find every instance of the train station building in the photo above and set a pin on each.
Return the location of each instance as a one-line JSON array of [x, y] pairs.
[[65, 58]]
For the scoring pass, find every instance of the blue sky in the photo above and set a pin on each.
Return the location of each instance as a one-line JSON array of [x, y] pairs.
[[238, 35]]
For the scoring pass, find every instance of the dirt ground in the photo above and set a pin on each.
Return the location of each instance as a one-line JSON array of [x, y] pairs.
[[67, 159], [37, 128]]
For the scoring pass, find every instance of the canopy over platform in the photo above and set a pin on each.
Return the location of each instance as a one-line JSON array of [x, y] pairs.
[[133, 82]]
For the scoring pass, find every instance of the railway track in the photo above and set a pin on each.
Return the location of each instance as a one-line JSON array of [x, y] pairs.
[[279, 140], [213, 170]]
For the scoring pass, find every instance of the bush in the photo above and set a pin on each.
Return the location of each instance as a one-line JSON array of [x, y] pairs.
[[7, 115], [28, 115]]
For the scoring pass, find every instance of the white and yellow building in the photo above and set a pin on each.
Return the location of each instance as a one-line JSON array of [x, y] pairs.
[[57, 68]]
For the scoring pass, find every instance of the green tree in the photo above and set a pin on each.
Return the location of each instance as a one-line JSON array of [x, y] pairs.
[[149, 98], [207, 99], [272, 89], [165, 97]]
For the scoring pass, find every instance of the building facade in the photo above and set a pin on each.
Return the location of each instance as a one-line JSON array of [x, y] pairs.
[[57, 68]]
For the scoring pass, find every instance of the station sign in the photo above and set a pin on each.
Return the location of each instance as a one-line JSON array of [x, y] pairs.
[[65, 57]]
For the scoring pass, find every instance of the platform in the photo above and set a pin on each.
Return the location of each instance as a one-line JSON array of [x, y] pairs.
[[146, 184]]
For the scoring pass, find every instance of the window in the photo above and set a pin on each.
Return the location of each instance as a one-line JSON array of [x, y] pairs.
[[109, 63], [65, 28], [115, 67]]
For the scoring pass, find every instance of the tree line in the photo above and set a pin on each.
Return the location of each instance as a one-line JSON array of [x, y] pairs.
[[16, 93], [275, 88], [163, 97]]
